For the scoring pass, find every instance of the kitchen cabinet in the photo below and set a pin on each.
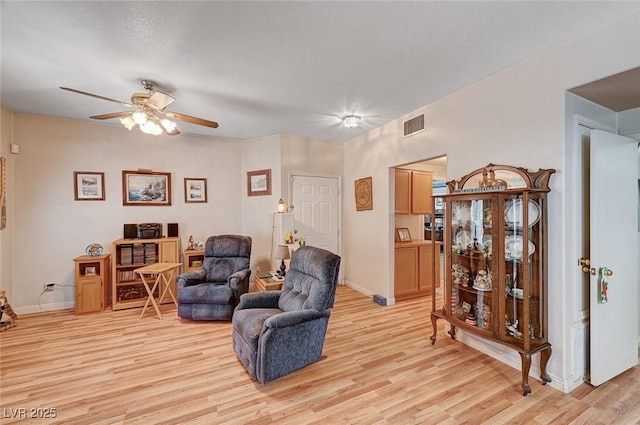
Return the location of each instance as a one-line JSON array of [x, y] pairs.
[[413, 191], [413, 269]]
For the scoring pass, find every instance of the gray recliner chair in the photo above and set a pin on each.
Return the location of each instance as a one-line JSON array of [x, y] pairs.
[[212, 292], [277, 332]]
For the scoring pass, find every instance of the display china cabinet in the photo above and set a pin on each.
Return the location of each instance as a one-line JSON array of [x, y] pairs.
[[496, 261]]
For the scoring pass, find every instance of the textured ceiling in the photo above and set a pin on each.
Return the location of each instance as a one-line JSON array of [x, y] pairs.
[[262, 68]]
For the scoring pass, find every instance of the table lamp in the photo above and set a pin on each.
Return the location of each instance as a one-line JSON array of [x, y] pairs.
[[282, 253]]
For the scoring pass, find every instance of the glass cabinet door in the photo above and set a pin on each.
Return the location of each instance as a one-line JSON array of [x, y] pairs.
[[472, 267], [523, 264]]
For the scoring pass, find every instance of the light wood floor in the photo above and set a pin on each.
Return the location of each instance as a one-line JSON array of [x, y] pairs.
[[378, 367]]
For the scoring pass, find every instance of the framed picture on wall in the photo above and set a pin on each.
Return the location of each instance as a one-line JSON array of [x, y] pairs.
[[146, 188], [259, 182], [195, 190], [364, 194], [88, 185]]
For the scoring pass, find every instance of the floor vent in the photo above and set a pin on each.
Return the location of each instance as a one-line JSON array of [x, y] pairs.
[[414, 125]]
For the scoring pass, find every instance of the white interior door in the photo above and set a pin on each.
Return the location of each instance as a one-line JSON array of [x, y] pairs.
[[315, 212], [613, 246]]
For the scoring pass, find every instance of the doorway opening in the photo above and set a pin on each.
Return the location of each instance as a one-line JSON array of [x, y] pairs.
[[602, 105], [419, 215]]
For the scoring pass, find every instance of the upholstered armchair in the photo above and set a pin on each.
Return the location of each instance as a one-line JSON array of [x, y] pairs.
[[212, 292], [277, 332]]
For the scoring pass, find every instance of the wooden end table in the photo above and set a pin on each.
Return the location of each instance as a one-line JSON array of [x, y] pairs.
[[268, 284]]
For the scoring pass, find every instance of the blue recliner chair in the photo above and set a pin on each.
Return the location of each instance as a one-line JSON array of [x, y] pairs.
[[212, 292], [277, 332]]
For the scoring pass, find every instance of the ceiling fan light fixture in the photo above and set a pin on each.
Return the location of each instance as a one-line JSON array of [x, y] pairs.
[[151, 127], [139, 117], [168, 125], [351, 121], [128, 123]]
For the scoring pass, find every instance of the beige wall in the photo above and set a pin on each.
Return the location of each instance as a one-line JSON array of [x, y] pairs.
[[514, 117], [49, 228], [284, 155]]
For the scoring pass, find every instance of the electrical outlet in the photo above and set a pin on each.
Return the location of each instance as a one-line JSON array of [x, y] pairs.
[[49, 286]]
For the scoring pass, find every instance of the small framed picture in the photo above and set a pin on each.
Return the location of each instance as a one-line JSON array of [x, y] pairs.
[[195, 190], [89, 271], [259, 182], [403, 234], [88, 185]]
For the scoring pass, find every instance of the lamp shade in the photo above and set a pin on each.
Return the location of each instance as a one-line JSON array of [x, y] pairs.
[[282, 252]]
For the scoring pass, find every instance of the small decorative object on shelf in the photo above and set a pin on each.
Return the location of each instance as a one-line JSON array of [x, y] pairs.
[[199, 245], [94, 249], [190, 245], [288, 239], [496, 221]]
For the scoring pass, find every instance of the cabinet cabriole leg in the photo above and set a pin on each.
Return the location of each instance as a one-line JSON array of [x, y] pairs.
[[544, 359], [434, 322], [526, 365], [452, 332]]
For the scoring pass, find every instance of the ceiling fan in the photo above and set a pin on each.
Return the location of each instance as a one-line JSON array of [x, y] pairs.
[[149, 113]]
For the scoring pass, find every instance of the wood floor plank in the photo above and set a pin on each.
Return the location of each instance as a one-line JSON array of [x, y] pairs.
[[378, 367]]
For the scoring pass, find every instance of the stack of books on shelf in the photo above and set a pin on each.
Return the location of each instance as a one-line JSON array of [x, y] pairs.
[[126, 255], [150, 256], [126, 276], [138, 253]]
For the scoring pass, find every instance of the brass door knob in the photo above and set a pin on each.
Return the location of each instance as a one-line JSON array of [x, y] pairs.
[[608, 272]]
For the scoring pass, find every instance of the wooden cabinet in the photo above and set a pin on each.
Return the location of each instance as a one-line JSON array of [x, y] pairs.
[[193, 259], [496, 261], [130, 254], [413, 269], [413, 191], [93, 283]]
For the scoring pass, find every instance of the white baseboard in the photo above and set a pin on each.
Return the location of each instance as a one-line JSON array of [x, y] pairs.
[[509, 357], [367, 292], [31, 309]]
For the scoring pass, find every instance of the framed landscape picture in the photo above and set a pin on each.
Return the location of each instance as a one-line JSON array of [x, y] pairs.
[[146, 188], [88, 186], [259, 182], [195, 189]]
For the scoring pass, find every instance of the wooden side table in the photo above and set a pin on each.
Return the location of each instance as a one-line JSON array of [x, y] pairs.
[[268, 284], [193, 259], [163, 272]]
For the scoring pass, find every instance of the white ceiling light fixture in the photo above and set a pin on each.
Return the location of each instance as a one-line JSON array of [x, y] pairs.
[[351, 121]]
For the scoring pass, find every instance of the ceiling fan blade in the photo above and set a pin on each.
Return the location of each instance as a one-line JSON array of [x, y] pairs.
[[112, 115], [97, 96], [159, 100], [192, 120]]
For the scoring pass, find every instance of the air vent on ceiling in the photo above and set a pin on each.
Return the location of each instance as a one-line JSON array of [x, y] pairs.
[[414, 125]]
